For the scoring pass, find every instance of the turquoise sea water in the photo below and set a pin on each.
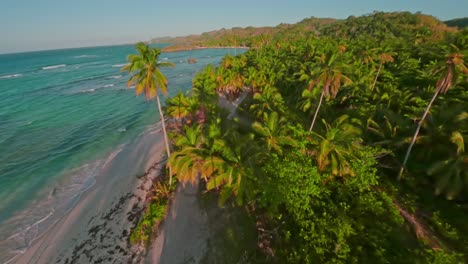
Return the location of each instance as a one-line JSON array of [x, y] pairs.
[[64, 113]]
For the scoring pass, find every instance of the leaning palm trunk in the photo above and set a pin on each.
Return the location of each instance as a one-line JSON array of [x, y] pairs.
[[377, 76], [316, 111], [166, 141], [416, 133]]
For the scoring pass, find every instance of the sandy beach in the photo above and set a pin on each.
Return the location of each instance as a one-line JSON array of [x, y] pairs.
[[96, 230]]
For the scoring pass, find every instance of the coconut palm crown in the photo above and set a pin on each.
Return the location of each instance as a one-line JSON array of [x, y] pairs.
[[148, 79]]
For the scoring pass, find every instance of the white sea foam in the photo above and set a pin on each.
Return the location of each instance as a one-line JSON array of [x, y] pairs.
[[122, 129], [113, 155], [119, 65], [53, 67], [108, 85], [11, 76], [116, 76], [88, 91], [85, 56]]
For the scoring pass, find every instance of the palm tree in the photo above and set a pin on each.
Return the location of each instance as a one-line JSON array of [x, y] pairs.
[[269, 99], [188, 161], [337, 146], [383, 58], [229, 77], [386, 130], [331, 78], [453, 65], [182, 107], [452, 175], [148, 79], [234, 161], [274, 132]]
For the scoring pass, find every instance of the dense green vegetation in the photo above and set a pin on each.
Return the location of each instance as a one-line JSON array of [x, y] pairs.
[[348, 142], [249, 36], [153, 214], [380, 25], [458, 22]]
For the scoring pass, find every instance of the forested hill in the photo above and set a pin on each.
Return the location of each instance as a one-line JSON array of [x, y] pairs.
[[248, 36], [458, 22], [382, 26], [348, 145], [379, 25]]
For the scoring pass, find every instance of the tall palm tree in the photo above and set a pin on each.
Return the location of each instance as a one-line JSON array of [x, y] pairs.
[[148, 79], [331, 77], [453, 66], [383, 58]]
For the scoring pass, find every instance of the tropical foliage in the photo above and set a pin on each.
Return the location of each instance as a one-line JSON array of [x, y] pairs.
[[330, 191]]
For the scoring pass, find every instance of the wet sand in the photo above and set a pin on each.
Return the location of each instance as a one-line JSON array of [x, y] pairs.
[[96, 230]]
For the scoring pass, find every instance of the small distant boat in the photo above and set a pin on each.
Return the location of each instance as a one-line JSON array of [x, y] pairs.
[[192, 60]]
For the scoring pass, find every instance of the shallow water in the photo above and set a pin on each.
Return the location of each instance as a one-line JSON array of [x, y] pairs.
[[64, 115]]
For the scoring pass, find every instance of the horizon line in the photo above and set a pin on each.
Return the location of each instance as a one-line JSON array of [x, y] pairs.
[[200, 33]]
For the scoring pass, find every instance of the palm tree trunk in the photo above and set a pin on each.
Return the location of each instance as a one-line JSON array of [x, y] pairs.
[[166, 141], [416, 133], [316, 111], [377, 76]]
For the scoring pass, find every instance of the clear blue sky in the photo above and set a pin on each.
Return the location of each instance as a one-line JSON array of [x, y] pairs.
[[48, 24]]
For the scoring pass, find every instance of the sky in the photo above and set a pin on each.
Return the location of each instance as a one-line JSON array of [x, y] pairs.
[[27, 25]]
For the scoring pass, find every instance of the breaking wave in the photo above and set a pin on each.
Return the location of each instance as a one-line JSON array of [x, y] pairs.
[[53, 67]]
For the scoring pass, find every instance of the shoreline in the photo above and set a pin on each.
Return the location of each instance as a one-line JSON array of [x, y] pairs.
[[98, 226]]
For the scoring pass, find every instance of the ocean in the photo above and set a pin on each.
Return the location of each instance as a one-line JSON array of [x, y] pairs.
[[64, 115]]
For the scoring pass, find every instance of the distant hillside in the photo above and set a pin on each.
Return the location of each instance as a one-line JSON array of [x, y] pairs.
[[241, 36], [378, 25], [458, 22]]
